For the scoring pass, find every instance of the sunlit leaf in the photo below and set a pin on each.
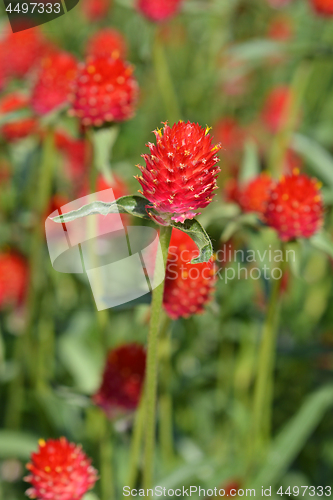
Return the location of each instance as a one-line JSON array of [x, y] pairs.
[[289, 443], [134, 205], [322, 241], [195, 230], [318, 157]]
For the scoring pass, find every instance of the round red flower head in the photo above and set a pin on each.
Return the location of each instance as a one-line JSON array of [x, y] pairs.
[[14, 277], [180, 173], [107, 42], [254, 196], [295, 207], [52, 87], [123, 379], [59, 470], [275, 108], [23, 51], [323, 7], [104, 91], [19, 128], [188, 287], [158, 10]]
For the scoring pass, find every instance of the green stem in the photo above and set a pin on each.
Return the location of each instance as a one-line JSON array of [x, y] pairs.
[[263, 391], [151, 367], [136, 444], [91, 163], [164, 81], [106, 461], [37, 247], [25, 352], [165, 399]]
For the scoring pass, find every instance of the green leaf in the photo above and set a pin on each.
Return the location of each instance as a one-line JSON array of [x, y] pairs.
[[250, 165], [134, 205], [322, 241], [90, 496], [256, 50], [195, 231], [248, 219], [288, 444], [17, 444], [317, 156]]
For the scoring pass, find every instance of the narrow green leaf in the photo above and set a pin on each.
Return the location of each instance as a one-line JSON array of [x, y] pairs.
[[103, 141], [195, 230], [288, 444], [322, 241], [250, 165], [256, 50], [15, 444], [14, 116], [134, 205], [317, 156], [248, 219]]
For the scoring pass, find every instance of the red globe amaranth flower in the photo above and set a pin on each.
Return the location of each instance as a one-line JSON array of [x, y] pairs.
[[95, 10], [52, 87], [188, 287], [59, 470], [107, 42], [158, 10], [180, 173], [276, 107], [20, 128], [14, 276], [323, 7], [104, 91], [281, 29], [254, 196], [23, 50], [295, 207], [123, 379]]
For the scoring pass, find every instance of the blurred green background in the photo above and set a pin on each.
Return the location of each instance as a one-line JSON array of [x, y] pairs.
[[216, 59]]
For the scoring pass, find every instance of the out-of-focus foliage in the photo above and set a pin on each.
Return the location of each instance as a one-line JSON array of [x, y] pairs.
[[215, 60]]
